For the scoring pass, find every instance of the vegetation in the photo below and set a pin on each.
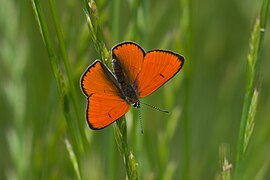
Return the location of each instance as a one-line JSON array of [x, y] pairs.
[[218, 126]]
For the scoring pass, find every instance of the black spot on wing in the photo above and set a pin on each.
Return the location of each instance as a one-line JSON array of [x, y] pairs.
[[109, 115], [161, 75]]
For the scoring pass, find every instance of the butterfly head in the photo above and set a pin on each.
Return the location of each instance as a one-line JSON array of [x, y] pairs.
[[137, 104]]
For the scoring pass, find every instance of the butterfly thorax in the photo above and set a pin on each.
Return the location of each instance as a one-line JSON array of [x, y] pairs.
[[128, 90]]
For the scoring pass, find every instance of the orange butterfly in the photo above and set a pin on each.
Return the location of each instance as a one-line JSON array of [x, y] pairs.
[[136, 74]]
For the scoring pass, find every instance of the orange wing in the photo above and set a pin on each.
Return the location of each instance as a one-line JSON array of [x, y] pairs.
[[105, 100], [130, 55], [158, 67]]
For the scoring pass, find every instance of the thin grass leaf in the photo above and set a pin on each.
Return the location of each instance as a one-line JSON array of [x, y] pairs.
[[169, 171], [58, 76], [67, 65], [73, 159], [172, 122], [262, 173], [186, 46]]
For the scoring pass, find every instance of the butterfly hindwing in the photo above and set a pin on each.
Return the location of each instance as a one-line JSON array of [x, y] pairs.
[[103, 110], [105, 101]]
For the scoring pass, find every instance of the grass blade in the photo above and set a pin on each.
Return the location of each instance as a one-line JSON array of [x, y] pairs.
[[186, 45], [254, 48], [57, 75], [73, 159], [69, 73]]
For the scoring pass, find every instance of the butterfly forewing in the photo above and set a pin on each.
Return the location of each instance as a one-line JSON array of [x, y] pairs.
[[130, 55], [158, 67], [105, 101]]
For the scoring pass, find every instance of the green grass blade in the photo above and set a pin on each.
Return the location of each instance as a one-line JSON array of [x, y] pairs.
[[69, 74], [254, 47], [57, 74], [186, 46], [262, 173], [73, 159]]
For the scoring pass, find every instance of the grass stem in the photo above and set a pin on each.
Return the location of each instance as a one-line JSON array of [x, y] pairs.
[[95, 31], [254, 48], [116, 39], [120, 128], [67, 65], [57, 75]]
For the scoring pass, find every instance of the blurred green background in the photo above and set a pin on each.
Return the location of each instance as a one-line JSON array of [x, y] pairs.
[[214, 39]]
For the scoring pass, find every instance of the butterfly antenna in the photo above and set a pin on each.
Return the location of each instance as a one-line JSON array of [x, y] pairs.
[[140, 119], [154, 107]]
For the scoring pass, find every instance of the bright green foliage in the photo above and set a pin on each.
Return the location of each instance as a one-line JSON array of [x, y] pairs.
[[45, 46]]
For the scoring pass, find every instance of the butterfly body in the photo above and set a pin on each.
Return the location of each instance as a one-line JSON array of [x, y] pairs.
[[136, 74], [128, 90]]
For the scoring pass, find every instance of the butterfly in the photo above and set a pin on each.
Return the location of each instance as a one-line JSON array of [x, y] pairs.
[[135, 74]]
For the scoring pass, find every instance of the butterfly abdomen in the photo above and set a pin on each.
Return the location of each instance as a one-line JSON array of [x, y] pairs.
[[124, 83]]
